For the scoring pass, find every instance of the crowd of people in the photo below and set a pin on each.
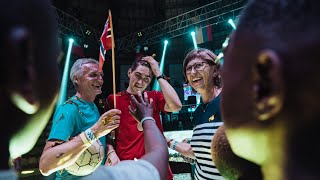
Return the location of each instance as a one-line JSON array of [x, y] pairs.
[[258, 118]]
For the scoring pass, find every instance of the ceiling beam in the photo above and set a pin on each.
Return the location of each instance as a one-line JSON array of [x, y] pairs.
[[210, 14], [71, 26]]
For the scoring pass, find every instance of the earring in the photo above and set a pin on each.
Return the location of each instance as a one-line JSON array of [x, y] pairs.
[[19, 101]]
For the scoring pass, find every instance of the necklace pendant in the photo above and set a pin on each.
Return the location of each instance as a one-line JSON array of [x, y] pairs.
[[211, 118], [204, 107], [139, 127]]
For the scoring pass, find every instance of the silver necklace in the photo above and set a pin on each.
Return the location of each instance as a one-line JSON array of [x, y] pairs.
[[204, 106]]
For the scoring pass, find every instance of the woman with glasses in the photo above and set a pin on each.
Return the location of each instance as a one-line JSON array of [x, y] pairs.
[[201, 70], [129, 139]]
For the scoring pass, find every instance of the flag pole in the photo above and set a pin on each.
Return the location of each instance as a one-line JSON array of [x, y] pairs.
[[113, 63]]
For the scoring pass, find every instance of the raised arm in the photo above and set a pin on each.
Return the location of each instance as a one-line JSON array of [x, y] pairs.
[[155, 144], [173, 102]]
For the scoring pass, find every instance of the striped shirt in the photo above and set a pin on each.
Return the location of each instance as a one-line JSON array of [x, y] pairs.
[[207, 121]]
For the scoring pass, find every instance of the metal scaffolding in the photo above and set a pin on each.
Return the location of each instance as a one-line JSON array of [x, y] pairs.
[[210, 14], [71, 26]]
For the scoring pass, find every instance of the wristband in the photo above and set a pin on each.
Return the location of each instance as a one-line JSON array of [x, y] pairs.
[[147, 118], [161, 76], [110, 153], [173, 145], [84, 139], [90, 135]]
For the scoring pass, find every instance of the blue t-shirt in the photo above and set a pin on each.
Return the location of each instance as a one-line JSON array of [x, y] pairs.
[[70, 119]]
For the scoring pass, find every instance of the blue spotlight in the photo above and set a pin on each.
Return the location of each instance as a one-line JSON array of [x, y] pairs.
[[230, 21], [193, 35], [156, 85], [64, 82]]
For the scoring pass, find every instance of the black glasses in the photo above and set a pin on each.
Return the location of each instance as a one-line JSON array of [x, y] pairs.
[[199, 66]]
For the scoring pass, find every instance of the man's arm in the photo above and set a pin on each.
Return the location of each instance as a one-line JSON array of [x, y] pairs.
[[111, 155], [173, 102], [156, 148], [155, 144], [58, 155]]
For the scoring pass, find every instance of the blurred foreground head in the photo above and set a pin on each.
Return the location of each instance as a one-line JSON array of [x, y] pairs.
[[270, 101], [231, 166], [28, 73]]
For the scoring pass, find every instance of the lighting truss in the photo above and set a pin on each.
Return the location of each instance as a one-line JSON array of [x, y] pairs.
[[210, 14], [69, 25]]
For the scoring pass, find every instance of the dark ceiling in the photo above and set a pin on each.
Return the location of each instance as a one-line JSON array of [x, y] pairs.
[[128, 16]]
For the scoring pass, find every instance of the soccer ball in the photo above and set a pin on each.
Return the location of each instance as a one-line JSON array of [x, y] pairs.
[[89, 160]]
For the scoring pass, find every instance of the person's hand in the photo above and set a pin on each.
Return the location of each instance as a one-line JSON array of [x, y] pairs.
[[107, 122], [112, 159], [154, 65], [186, 140], [143, 108]]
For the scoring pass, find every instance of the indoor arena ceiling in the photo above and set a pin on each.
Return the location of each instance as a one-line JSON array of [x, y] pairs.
[[128, 16]]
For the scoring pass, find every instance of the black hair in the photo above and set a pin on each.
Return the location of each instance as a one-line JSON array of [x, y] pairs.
[[139, 62]]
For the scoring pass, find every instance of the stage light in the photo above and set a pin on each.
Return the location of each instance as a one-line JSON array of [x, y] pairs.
[[230, 21], [156, 85], [193, 35], [27, 172], [65, 75], [88, 32]]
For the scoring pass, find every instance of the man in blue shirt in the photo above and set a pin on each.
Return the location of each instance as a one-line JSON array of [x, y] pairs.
[[77, 123]]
